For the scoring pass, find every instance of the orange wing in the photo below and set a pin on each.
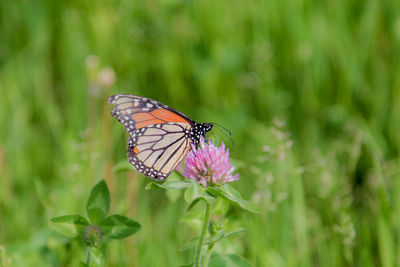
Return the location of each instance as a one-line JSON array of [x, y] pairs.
[[157, 116], [136, 112]]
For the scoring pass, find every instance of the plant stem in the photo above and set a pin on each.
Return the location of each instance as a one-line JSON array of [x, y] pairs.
[[88, 256], [197, 253], [210, 247]]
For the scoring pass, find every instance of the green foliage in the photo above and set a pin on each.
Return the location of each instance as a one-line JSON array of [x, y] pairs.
[[229, 193], [191, 244], [218, 201], [169, 184], [195, 193], [114, 226], [98, 203], [117, 226], [69, 225], [325, 175]]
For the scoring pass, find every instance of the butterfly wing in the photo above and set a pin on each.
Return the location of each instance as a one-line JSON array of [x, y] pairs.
[[156, 150], [159, 135]]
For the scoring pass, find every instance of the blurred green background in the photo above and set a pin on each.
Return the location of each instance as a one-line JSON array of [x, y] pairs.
[[309, 89]]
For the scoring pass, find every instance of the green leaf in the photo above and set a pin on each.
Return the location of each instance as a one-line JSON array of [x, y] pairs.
[[228, 260], [218, 237], [194, 242], [168, 185], [118, 226], [194, 202], [231, 194], [196, 192], [96, 257], [98, 204], [173, 195], [215, 239], [174, 182], [234, 233], [69, 225], [193, 219], [190, 244], [220, 207], [221, 235], [82, 264]]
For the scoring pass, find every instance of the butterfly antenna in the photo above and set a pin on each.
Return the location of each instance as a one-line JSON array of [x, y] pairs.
[[215, 137], [226, 132], [219, 125]]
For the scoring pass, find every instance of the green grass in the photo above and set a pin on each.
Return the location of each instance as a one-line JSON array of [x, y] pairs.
[[329, 69]]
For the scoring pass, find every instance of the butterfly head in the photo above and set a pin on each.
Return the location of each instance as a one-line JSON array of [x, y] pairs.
[[200, 130], [207, 127]]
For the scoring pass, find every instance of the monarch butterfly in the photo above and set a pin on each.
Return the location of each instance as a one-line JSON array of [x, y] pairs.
[[160, 136]]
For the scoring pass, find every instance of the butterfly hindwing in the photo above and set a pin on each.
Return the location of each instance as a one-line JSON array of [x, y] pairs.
[[156, 150]]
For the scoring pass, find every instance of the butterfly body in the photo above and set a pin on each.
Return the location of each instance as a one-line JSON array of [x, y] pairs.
[[160, 137]]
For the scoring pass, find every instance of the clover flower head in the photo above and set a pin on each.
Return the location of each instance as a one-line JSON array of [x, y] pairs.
[[209, 165]]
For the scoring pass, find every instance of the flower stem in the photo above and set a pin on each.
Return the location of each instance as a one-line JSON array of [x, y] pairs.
[[88, 256], [197, 253], [210, 247]]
